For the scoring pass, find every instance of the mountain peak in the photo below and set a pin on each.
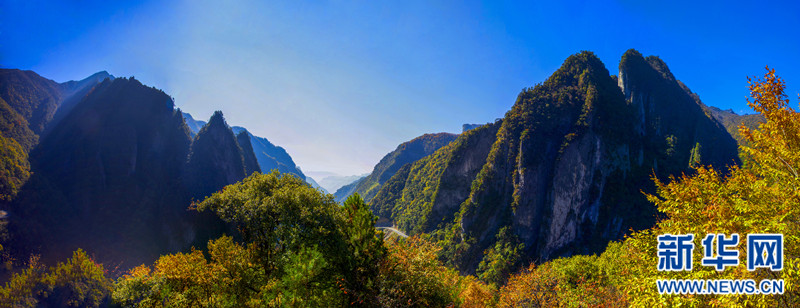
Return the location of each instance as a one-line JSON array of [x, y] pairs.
[[217, 119], [581, 61], [101, 75], [466, 127], [633, 60]]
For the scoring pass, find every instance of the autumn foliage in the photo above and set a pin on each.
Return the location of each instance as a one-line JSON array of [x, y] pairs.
[[298, 248], [761, 196]]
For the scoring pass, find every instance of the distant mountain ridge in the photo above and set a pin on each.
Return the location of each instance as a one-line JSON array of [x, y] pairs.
[[268, 155], [732, 121], [193, 125], [336, 182], [407, 152], [467, 127]]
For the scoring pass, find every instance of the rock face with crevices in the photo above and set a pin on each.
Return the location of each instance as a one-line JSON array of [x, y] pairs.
[[564, 169]]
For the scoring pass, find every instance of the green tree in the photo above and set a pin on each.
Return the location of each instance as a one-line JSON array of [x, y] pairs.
[[298, 249], [365, 251], [79, 282], [501, 259], [695, 159]]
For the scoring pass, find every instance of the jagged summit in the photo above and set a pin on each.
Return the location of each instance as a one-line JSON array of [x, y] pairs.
[[217, 119], [215, 158], [554, 175]]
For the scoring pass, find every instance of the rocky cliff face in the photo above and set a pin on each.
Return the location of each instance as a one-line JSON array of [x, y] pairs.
[[424, 194], [407, 152], [549, 167], [564, 169], [671, 116]]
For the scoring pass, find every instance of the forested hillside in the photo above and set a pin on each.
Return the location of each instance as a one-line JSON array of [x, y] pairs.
[[732, 121], [561, 174], [119, 138], [28, 104], [556, 204], [407, 152]]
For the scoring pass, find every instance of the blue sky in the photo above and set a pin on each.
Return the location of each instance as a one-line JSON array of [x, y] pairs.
[[339, 84]]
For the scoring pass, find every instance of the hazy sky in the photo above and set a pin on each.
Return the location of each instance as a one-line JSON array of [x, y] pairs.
[[339, 84]]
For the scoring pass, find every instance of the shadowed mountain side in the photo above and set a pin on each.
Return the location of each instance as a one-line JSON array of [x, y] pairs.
[[107, 179], [215, 159], [74, 93], [116, 177], [33, 97], [732, 121], [29, 106], [250, 162], [268, 155]]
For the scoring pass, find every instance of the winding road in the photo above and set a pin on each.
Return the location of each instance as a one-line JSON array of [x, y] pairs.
[[392, 230]]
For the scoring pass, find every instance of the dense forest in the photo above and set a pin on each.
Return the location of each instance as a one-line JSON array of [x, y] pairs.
[[559, 203]]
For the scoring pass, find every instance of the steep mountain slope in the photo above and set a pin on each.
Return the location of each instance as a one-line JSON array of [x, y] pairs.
[[107, 178], [215, 159], [194, 125], [422, 195], [33, 97], [16, 140], [270, 156], [732, 121], [666, 108], [561, 173], [29, 104], [407, 152], [13, 125], [250, 162], [74, 92], [14, 168]]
